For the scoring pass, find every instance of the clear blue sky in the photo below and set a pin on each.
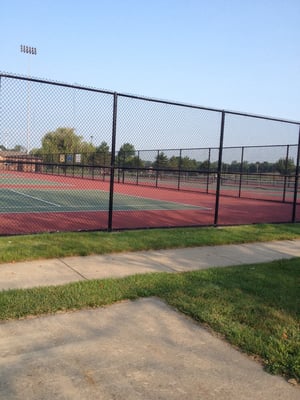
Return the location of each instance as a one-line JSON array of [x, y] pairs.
[[242, 55]]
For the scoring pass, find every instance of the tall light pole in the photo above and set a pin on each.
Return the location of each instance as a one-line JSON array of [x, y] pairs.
[[31, 51]]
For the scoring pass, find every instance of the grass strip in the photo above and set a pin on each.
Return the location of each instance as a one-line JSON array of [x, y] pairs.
[[30, 247], [255, 307]]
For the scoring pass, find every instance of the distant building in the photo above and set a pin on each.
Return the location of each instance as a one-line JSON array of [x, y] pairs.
[[16, 161]]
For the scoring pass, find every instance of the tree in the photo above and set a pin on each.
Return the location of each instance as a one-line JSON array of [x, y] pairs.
[[19, 148], [63, 141], [87, 151], [103, 148], [126, 155], [235, 166], [207, 165], [102, 155], [161, 161], [137, 162], [285, 167], [188, 163], [183, 163]]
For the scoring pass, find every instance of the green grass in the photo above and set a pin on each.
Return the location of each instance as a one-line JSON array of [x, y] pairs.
[[30, 247], [255, 307]]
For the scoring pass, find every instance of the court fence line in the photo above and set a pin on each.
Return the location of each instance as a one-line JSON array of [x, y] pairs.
[[268, 173]]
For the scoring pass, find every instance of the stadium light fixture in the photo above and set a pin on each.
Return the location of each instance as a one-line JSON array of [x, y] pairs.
[[28, 50]]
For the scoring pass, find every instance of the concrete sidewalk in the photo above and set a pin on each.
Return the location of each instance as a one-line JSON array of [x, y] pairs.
[[137, 350], [71, 269]]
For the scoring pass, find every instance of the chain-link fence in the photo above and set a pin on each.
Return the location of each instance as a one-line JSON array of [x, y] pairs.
[[78, 158]]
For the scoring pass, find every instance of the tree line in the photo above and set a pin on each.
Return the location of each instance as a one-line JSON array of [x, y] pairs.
[[66, 141]]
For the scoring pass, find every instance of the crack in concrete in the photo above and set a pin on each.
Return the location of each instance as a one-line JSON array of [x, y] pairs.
[[73, 269]]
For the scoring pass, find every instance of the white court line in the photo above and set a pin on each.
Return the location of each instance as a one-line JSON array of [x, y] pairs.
[[35, 198]]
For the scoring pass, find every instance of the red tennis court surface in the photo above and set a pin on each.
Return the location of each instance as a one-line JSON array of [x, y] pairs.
[[232, 211]]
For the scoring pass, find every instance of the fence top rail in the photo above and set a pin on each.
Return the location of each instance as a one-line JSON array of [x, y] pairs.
[[54, 83], [8, 154], [217, 148], [145, 98]]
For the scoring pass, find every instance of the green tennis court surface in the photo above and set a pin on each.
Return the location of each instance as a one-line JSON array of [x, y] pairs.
[[15, 179], [38, 200]]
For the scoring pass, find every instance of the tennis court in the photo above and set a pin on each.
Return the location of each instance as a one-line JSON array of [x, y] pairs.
[[47, 200], [36, 202]]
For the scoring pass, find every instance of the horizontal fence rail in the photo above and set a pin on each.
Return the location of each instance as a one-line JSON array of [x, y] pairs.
[[78, 158]]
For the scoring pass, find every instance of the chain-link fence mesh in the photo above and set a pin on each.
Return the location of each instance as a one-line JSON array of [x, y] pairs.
[[77, 158]]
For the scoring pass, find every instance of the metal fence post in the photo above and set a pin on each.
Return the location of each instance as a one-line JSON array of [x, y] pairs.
[[296, 180], [285, 172], [219, 169], [179, 169], [112, 162], [208, 170], [157, 169], [241, 172], [138, 167]]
